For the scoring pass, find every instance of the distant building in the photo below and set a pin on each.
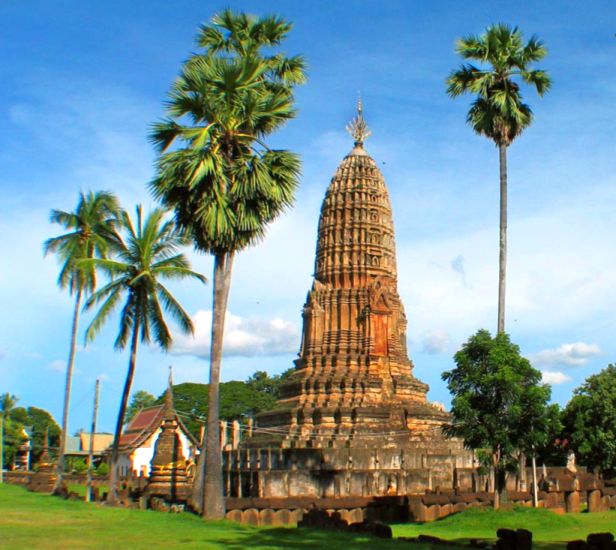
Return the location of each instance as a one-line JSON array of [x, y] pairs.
[[78, 446]]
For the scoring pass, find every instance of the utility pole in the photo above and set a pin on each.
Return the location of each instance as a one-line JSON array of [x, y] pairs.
[[535, 496], [91, 450]]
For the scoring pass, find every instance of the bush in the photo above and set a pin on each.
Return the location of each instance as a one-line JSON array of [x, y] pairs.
[[80, 466], [103, 469]]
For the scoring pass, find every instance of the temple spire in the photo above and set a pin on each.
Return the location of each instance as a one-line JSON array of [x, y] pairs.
[[358, 127], [169, 394]]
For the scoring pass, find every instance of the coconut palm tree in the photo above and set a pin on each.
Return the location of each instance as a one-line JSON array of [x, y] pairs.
[[148, 254], [91, 230], [498, 111], [7, 404], [222, 180]]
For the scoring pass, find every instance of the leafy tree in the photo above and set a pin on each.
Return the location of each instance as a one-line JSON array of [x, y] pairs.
[[38, 420], [149, 254], [7, 404], [79, 466], [498, 402], [42, 422], [590, 421], [553, 450], [223, 182], [141, 400], [498, 111], [91, 229], [262, 382], [238, 400]]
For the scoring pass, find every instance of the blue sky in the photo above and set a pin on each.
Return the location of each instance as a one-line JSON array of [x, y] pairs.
[[83, 80]]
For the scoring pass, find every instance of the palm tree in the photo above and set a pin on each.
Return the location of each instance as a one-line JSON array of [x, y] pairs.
[[149, 254], [498, 111], [91, 230], [7, 404], [223, 182]]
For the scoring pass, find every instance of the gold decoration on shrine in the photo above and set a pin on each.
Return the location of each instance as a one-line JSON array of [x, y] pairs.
[[358, 127]]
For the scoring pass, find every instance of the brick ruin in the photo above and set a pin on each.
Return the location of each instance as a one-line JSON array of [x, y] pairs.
[[352, 420]]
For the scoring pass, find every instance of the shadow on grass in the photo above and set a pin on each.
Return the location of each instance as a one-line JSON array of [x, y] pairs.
[[302, 538]]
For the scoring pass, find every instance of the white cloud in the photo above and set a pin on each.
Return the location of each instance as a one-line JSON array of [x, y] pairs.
[[554, 378], [59, 365], [435, 341], [245, 337], [570, 355]]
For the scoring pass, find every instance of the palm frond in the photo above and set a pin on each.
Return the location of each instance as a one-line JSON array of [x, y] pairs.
[[498, 112], [102, 315], [173, 307]]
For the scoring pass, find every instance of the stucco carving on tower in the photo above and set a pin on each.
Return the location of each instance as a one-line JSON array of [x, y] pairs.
[[353, 376]]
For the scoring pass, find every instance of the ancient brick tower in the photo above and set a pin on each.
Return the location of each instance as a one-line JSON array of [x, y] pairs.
[[352, 420], [353, 376], [168, 476]]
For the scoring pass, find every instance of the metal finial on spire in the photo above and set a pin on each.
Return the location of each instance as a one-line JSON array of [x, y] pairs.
[[358, 127]]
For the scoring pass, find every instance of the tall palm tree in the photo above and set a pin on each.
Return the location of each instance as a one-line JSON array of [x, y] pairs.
[[223, 182], [498, 111], [7, 404], [148, 254], [91, 230]]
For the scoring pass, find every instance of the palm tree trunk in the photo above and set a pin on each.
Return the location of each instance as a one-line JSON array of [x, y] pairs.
[[213, 504], [502, 256], [113, 473], [67, 394]]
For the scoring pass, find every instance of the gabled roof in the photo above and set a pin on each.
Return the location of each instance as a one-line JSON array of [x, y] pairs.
[[145, 423], [100, 441], [72, 444], [80, 444]]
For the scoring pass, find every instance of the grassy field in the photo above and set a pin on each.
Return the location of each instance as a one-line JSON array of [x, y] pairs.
[[33, 521], [29, 521], [549, 530], [80, 489]]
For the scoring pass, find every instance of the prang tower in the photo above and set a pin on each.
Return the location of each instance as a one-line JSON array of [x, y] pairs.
[[353, 383]]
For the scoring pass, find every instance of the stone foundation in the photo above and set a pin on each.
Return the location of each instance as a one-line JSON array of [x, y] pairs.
[[343, 472]]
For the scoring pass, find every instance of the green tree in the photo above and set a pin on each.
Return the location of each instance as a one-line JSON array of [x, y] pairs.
[[102, 469], [498, 112], [7, 404], [38, 421], [141, 399], [223, 182], [238, 400], [148, 255], [91, 229], [498, 402], [590, 421], [42, 422]]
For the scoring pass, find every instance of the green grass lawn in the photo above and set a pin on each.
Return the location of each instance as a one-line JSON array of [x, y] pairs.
[[549, 530], [29, 521], [80, 489]]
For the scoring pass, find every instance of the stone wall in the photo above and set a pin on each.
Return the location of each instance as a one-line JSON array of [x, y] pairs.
[[563, 496], [343, 472]]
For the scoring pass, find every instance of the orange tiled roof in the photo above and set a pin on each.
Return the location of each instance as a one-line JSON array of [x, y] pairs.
[[144, 424]]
